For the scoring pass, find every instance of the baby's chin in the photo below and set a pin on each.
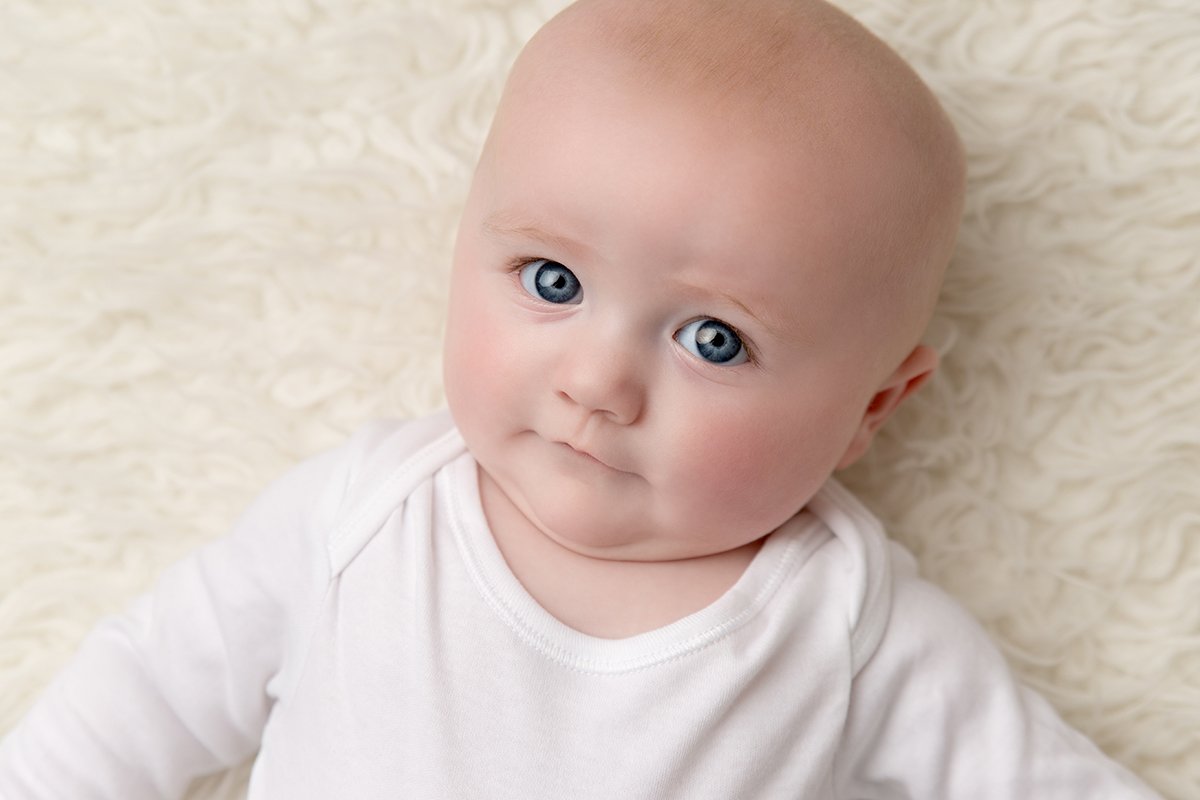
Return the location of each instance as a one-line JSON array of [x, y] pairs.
[[612, 534], [589, 526]]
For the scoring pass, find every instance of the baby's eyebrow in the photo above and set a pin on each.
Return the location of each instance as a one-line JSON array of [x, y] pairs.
[[764, 320], [508, 226]]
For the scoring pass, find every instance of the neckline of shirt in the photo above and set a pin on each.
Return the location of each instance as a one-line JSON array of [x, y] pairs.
[[578, 651]]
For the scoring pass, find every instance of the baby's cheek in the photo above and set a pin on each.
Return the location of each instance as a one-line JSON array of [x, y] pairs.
[[722, 468], [473, 341], [747, 476], [472, 367]]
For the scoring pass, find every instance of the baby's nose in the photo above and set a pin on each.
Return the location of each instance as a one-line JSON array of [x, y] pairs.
[[602, 380]]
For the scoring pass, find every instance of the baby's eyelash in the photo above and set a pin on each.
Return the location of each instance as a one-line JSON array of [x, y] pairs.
[[515, 264]]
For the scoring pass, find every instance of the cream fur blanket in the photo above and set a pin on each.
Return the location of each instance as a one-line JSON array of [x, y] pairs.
[[224, 234]]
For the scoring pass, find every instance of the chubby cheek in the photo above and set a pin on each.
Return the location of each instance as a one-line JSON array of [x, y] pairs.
[[749, 476], [477, 371]]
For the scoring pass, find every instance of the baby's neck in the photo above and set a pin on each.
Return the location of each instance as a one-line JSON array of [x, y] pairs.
[[603, 598]]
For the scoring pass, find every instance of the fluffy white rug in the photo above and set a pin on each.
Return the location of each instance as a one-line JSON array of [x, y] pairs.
[[224, 232]]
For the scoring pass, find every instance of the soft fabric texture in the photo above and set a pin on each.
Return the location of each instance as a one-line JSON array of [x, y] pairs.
[[361, 623], [224, 232]]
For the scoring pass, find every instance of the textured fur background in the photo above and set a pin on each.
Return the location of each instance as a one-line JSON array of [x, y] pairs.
[[224, 233]]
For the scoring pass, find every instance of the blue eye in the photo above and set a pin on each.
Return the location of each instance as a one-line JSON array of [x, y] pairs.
[[551, 281], [713, 341]]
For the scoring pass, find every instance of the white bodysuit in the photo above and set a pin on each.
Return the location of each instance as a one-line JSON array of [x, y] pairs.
[[361, 631]]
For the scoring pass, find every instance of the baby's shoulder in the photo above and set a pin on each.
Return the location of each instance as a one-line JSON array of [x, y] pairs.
[[384, 462], [378, 449], [928, 628]]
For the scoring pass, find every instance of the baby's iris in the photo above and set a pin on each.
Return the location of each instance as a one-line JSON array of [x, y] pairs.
[[714, 341], [551, 281]]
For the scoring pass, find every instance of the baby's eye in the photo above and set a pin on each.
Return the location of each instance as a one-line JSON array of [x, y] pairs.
[[551, 281], [713, 341]]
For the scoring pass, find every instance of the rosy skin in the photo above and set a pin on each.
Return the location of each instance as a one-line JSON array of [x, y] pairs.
[[593, 423], [615, 451]]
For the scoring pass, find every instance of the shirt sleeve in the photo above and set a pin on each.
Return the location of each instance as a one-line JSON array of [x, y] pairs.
[[936, 713], [182, 683]]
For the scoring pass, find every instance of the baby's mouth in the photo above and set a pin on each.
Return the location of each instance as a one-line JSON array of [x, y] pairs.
[[587, 454]]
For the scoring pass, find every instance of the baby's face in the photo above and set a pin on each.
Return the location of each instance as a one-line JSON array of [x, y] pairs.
[[654, 347]]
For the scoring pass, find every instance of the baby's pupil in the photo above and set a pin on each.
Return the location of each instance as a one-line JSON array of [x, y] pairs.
[[553, 279], [711, 336], [555, 283], [716, 342]]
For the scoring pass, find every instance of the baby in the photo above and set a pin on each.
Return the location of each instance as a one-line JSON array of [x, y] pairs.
[[698, 255]]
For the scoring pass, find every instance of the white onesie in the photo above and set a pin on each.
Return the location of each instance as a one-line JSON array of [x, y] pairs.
[[360, 630]]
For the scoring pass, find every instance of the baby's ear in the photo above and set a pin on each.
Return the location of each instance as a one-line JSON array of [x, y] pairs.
[[908, 377]]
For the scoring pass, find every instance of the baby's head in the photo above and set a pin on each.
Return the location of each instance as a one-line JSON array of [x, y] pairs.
[[701, 246]]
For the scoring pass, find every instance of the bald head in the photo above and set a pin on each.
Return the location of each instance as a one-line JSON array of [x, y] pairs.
[[724, 47], [800, 75]]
